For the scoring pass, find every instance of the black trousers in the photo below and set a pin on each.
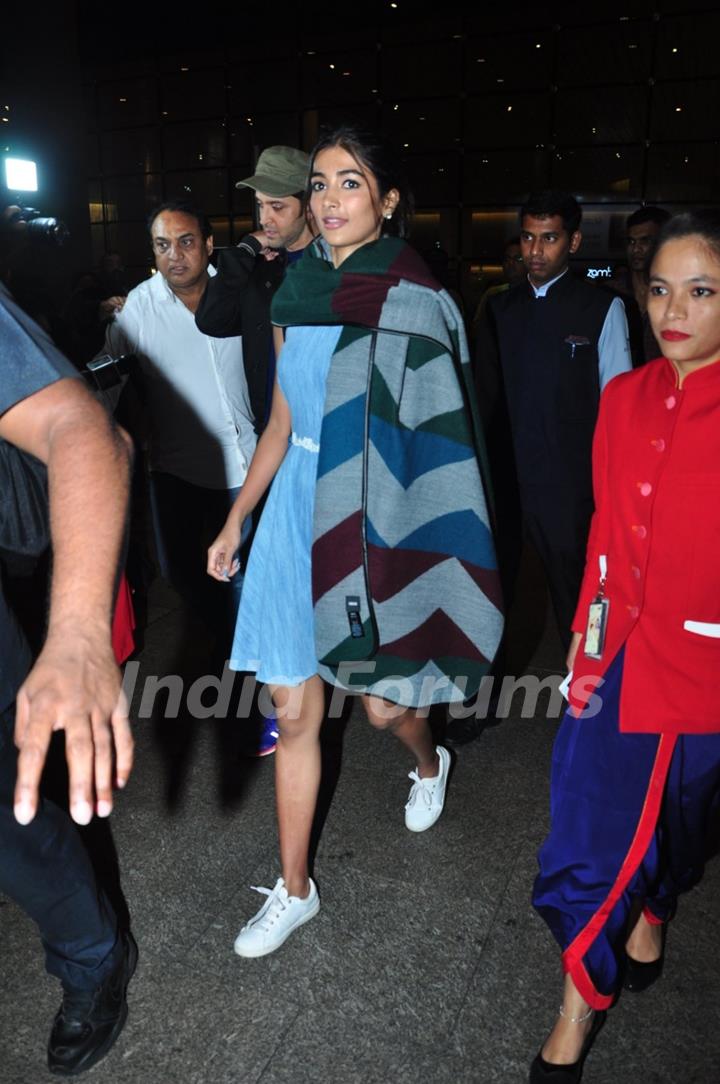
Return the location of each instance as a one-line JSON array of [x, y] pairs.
[[186, 519], [45, 869], [557, 523]]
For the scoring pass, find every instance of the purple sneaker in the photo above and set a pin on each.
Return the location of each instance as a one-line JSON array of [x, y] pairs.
[[262, 736]]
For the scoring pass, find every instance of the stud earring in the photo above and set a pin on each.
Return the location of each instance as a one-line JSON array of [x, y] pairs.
[[388, 215]]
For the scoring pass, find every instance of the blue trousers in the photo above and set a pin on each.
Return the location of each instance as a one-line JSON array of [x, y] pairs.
[[45, 869], [629, 814]]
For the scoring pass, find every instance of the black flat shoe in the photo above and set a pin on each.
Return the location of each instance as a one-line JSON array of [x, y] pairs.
[[546, 1072], [639, 976]]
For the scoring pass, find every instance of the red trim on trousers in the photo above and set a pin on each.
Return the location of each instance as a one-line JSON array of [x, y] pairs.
[[572, 957], [650, 918]]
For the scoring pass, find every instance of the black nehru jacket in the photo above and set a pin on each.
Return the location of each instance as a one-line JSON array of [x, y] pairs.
[[237, 302], [549, 357]]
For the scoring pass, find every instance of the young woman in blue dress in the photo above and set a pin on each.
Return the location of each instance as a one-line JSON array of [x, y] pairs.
[[356, 196]]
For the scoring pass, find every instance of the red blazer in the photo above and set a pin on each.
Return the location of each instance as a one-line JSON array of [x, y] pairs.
[[656, 477]]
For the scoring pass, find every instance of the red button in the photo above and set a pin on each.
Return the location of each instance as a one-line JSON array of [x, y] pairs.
[[658, 445], [645, 488], [636, 572], [633, 611], [670, 402], [639, 530]]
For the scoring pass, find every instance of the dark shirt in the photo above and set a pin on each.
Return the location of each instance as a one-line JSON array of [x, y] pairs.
[[237, 302], [28, 362]]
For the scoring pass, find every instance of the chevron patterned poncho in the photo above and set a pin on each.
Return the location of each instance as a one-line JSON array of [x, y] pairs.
[[405, 585]]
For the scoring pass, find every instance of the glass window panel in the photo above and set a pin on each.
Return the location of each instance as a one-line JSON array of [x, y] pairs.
[[317, 41], [684, 110], [220, 231], [570, 13], [599, 172], [485, 233], [92, 152], [95, 206], [683, 172], [422, 125], [128, 101], [504, 176], [283, 128], [399, 26], [131, 240], [130, 151], [89, 105], [240, 226], [331, 117], [433, 179], [97, 243], [256, 87], [207, 188], [243, 199], [194, 144], [407, 73], [242, 139], [618, 53], [174, 60], [518, 60], [507, 120], [339, 77], [435, 228], [187, 94], [283, 45], [494, 18], [605, 115], [688, 47], [132, 197]]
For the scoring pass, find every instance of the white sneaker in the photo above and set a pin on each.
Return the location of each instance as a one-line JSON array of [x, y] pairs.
[[427, 796], [276, 919]]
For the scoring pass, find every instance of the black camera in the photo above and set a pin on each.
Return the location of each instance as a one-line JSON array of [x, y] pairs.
[[39, 228]]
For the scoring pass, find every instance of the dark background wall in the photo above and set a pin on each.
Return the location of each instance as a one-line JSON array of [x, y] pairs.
[[617, 102]]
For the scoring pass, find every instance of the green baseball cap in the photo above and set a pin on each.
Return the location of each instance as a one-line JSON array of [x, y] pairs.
[[280, 171]]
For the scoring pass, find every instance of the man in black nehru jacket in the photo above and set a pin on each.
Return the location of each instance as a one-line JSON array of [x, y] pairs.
[[561, 339]]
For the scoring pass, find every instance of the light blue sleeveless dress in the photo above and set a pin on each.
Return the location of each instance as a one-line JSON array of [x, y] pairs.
[[274, 633]]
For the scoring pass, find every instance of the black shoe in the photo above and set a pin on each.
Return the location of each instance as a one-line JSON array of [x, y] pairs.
[[546, 1072], [463, 731], [639, 976], [89, 1021]]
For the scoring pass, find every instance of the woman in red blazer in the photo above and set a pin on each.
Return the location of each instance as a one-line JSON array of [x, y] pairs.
[[637, 758]]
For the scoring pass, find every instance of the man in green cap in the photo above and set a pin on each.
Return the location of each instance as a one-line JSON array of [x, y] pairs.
[[237, 300]]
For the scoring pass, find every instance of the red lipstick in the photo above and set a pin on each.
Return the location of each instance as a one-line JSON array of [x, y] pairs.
[[674, 336]]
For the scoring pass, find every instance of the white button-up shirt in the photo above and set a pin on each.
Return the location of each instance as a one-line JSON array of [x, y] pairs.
[[201, 424]]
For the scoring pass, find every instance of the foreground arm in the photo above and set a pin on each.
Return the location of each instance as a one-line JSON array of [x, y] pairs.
[[75, 683], [269, 454]]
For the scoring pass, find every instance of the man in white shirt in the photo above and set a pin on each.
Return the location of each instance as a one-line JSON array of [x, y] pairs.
[[201, 436]]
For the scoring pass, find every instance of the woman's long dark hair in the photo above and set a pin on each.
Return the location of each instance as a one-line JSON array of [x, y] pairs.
[[377, 158]]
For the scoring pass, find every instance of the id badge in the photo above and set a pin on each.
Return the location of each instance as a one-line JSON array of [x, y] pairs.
[[596, 627]]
